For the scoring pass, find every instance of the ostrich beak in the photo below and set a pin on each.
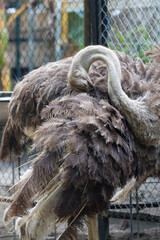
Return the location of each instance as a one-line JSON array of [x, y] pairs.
[[89, 81]]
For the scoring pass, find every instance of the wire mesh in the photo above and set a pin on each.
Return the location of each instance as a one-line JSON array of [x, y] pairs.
[[133, 27], [33, 33], [130, 26], [36, 32]]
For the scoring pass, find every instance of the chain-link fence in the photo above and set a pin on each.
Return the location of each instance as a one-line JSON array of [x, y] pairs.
[[37, 32], [33, 33], [132, 26], [129, 26]]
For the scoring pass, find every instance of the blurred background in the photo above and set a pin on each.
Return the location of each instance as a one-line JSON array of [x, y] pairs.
[[35, 32]]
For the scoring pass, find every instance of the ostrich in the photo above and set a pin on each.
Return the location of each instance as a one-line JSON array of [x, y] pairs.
[[85, 151], [49, 82]]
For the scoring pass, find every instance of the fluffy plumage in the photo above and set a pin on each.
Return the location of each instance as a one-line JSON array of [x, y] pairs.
[[41, 86], [141, 113], [85, 150]]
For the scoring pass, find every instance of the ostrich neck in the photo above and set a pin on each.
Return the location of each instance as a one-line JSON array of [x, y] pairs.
[[84, 60]]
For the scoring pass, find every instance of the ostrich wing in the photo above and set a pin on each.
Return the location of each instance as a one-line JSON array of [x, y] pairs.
[[29, 97], [85, 157]]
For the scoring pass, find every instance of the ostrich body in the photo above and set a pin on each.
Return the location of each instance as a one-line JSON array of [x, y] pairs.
[[85, 151], [49, 82]]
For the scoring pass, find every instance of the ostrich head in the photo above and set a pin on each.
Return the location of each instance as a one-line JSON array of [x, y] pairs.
[[143, 119], [79, 78]]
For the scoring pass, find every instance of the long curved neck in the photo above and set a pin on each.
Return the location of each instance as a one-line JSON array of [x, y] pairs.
[[88, 55]]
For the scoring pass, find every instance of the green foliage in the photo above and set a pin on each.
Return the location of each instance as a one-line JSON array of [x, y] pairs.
[[134, 42], [3, 39], [75, 28]]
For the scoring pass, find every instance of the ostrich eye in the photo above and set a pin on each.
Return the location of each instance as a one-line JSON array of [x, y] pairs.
[[77, 73]]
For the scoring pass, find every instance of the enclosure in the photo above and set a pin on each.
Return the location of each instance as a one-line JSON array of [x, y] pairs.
[[35, 32]]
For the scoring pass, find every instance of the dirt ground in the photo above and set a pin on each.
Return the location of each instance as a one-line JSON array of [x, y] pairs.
[[119, 230], [147, 230]]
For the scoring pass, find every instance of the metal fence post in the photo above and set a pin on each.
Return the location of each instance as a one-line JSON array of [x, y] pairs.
[[30, 37], [13, 182], [137, 212], [103, 227], [58, 52], [131, 219], [99, 36], [104, 26], [94, 20], [18, 42], [87, 22]]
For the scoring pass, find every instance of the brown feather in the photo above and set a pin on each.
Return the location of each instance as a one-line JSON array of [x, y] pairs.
[[85, 148], [41, 86], [90, 154]]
